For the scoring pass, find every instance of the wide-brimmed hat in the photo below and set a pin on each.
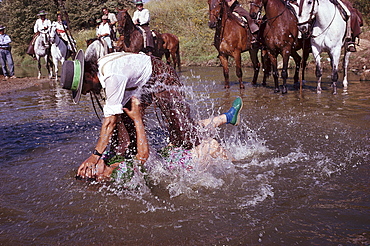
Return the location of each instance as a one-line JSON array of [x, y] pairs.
[[73, 75], [2, 27], [42, 12]]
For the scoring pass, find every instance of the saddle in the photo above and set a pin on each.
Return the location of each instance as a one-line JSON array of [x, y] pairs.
[[241, 19], [342, 11]]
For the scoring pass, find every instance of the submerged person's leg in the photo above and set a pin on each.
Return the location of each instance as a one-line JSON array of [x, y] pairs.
[[230, 117]]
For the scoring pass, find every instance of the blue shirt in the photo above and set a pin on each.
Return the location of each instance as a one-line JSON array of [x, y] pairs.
[[5, 41]]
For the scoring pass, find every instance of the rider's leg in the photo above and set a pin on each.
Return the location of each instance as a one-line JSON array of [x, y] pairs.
[[253, 27]]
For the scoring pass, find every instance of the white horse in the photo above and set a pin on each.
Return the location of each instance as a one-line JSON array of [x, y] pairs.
[[96, 48], [42, 49], [322, 21], [58, 49]]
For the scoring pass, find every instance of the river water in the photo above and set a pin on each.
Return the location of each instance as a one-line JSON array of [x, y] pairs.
[[301, 174]]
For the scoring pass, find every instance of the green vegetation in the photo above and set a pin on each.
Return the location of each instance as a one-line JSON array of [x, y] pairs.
[[187, 19]]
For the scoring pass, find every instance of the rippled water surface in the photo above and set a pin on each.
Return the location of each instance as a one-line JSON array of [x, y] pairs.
[[301, 174]]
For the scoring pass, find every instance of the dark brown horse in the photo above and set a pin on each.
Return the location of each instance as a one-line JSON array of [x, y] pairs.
[[171, 48], [279, 35], [231, 39], [131, 37]]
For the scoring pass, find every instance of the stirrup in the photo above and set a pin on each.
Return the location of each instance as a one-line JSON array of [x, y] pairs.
[[351, 47]]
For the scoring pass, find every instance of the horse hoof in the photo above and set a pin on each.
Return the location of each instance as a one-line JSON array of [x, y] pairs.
[[276, 90], [242, 87], [285, 91], [227, 86]]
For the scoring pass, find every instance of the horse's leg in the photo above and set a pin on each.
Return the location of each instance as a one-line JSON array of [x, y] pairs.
[[297, 59], [345, 68], [168, 56], [305, 54], [38, 66], [266, 66], [173, 56], [238, 66], [275, 74], [225, 67], [284, 71], [55, 61], [256, 65], [335, 57], [318, 72], [48, 67], [178, 60]]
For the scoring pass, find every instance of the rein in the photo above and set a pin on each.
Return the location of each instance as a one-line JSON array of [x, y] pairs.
[[260, 10], [98, 102], [312, 19]]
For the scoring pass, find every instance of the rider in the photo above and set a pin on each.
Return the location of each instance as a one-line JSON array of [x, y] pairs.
[[104, 32], [41, 26], [112, 22], [61, 28], [354, 23], [235, 6], [141, 18]]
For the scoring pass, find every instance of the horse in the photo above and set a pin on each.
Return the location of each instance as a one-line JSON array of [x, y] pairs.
[[131, 37], [96, 48], [231, 39], [42, 49], [58, 49], [171, 47], [279, 35], [321, 21]]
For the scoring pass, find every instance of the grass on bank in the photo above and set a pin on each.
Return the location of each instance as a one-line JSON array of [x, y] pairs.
[[187, 19]]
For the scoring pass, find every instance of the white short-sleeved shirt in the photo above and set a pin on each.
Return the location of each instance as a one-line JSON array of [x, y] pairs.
[[122, 75], [40, 25], [143, 16], [103, 29]]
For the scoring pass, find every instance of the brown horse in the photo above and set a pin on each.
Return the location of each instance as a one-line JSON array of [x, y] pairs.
[[231, 39], [131, 38], [279, 35], [171, 47]]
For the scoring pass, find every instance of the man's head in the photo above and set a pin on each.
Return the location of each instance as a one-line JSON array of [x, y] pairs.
[[104, 19], [139, 5], [42, 14], [2, 29], [80, 76], [105, 11]]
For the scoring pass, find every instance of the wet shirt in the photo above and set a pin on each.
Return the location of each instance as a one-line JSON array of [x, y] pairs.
[[122, 75]]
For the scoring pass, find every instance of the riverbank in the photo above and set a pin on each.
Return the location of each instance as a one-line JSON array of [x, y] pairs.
[[359, 64]]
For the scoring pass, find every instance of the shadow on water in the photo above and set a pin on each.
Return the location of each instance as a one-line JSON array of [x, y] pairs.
[[300, 174]]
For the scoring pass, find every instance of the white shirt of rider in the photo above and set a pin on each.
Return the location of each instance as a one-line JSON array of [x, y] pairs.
[[40, 26], [122, 75], [143, 16]]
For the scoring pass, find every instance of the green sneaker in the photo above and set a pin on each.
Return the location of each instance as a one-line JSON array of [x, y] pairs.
[[233, 115]]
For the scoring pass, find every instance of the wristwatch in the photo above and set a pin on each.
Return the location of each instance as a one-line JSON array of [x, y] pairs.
[[95, 152]]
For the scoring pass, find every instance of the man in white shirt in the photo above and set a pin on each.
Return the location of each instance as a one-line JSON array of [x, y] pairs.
[[141, 18], [41, 26], [104, 32], [112, 22], [124, 75]]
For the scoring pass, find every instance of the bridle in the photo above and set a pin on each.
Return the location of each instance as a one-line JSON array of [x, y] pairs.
[[312, 15]]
